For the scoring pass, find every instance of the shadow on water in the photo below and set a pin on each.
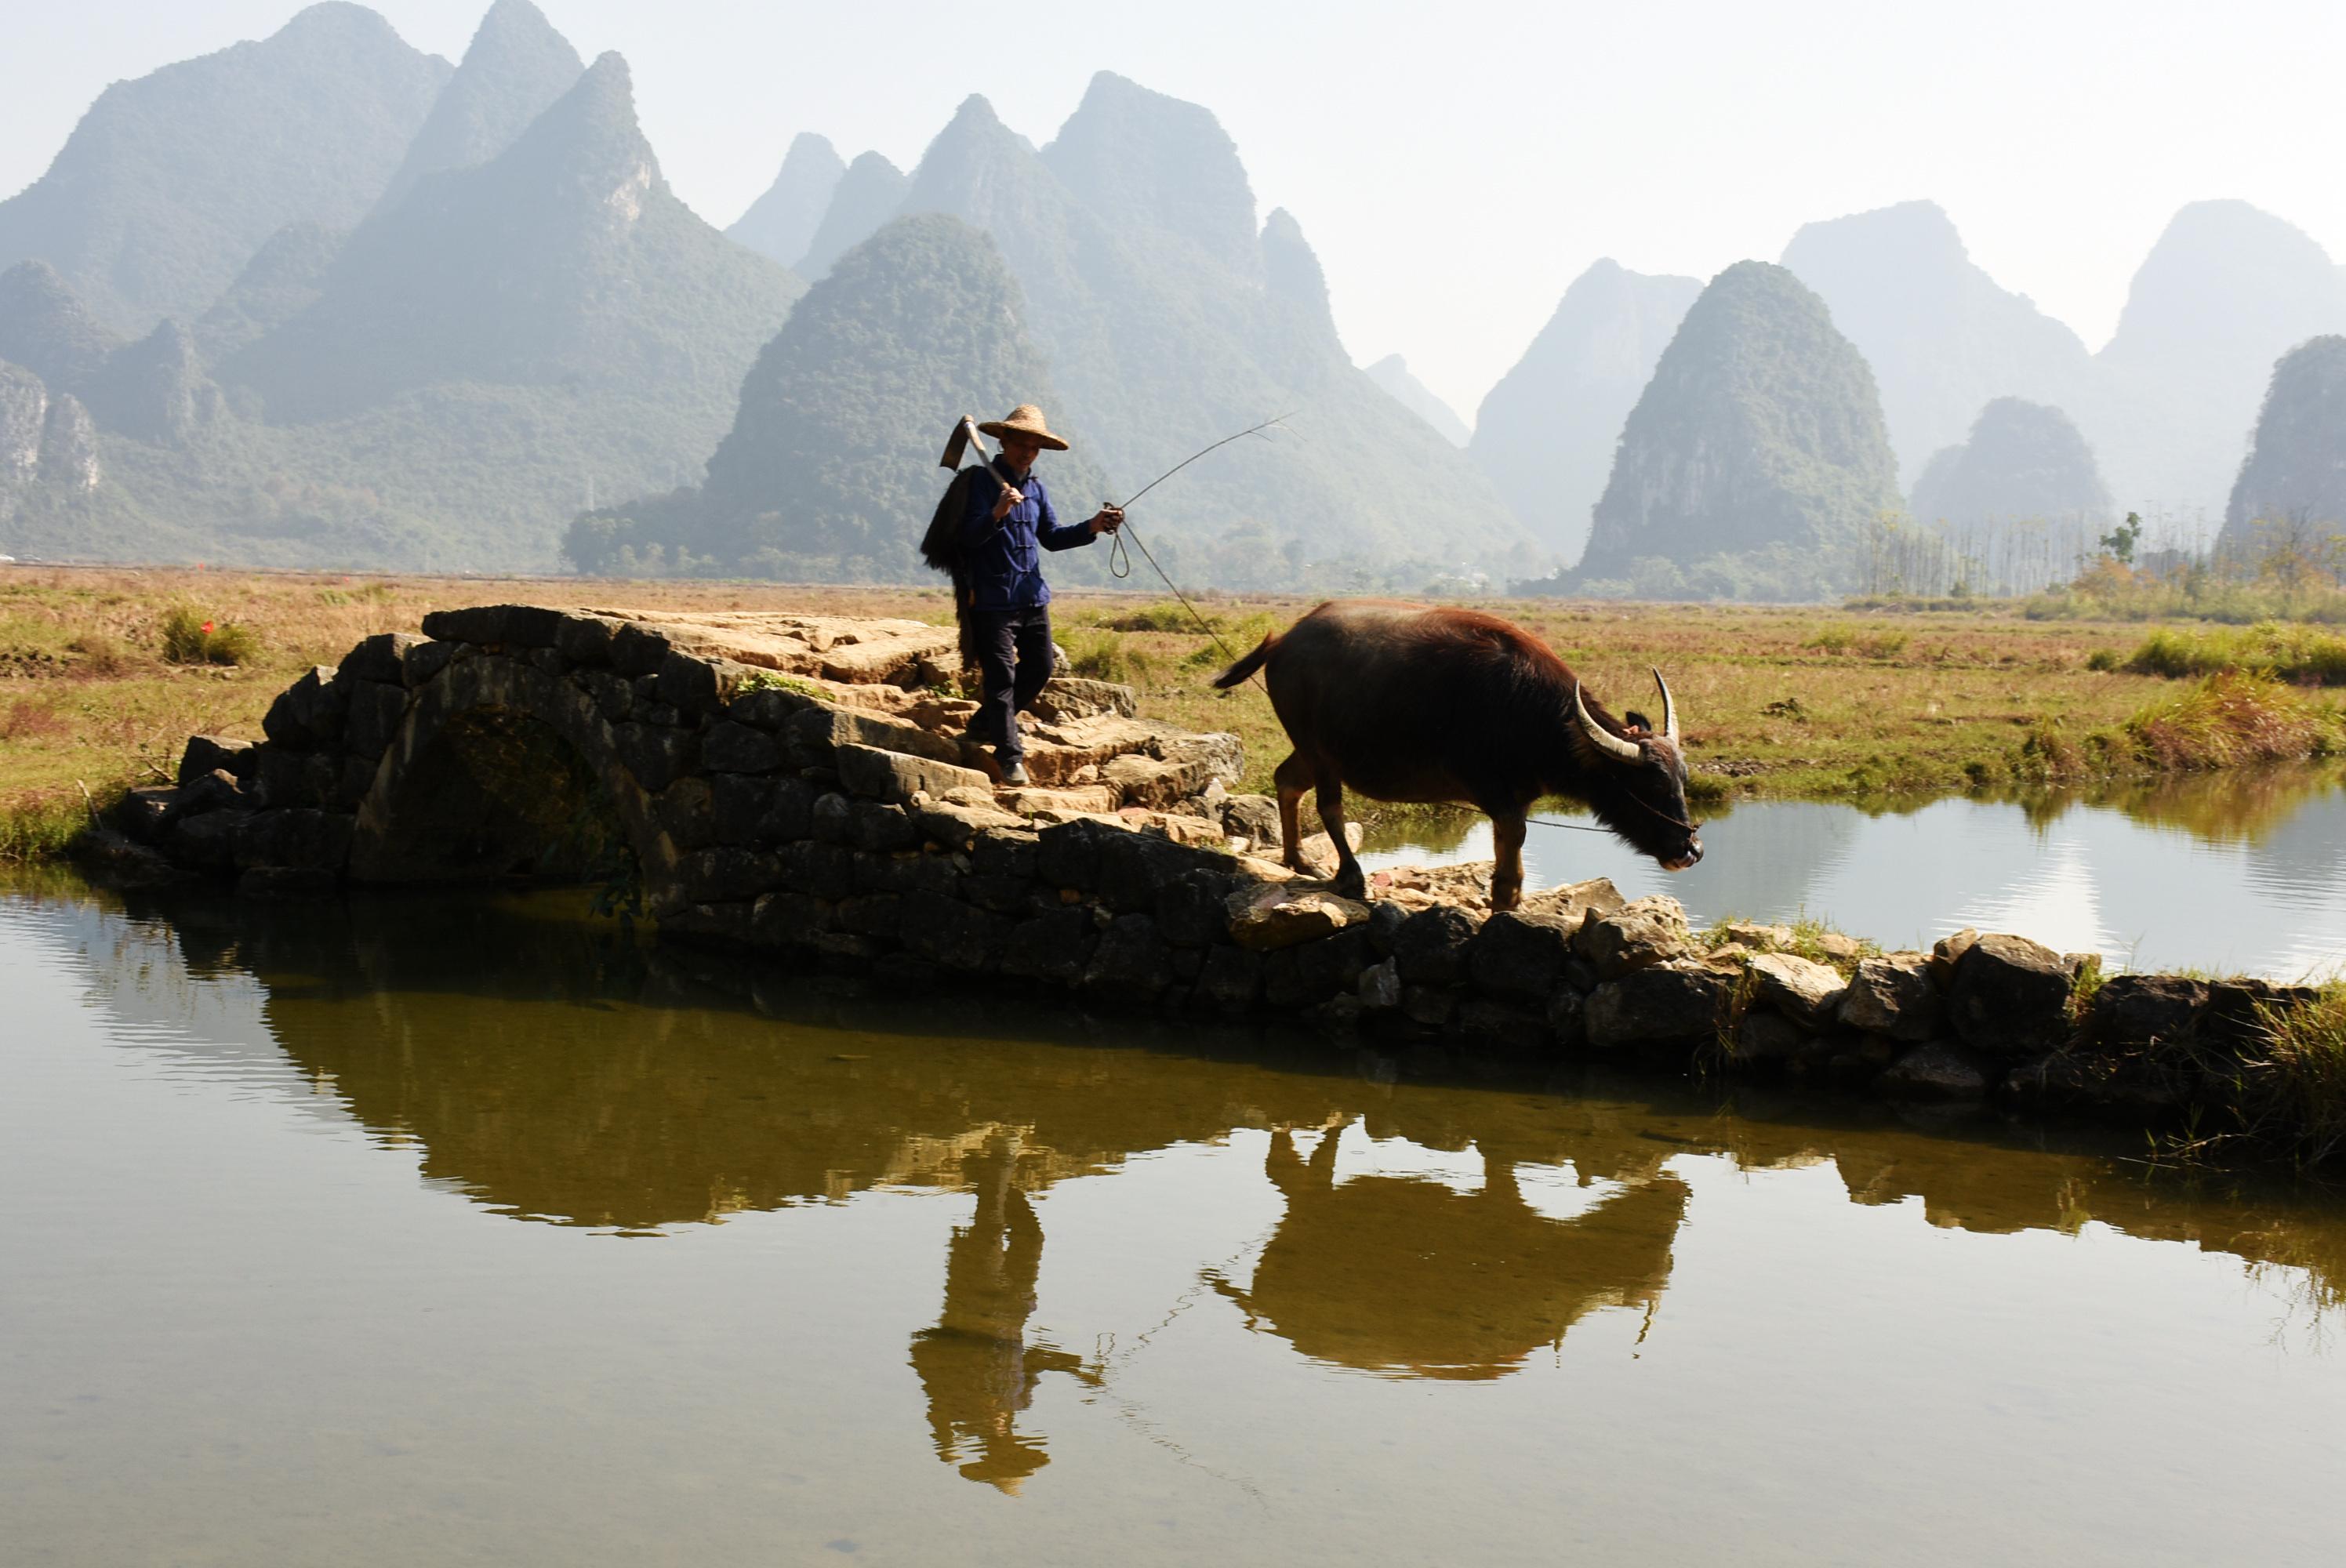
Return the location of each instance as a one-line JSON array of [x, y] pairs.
[[555, 1072]]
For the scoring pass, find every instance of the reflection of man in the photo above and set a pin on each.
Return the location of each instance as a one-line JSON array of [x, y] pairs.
[[1404, 1276], [975, 1364]]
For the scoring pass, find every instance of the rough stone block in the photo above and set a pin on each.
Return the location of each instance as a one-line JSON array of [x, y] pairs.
[[1229, 982], [293, 779], [791, 919], [1893, 995], [891, 776], [496, 626], [1948, 951], [762, 809], [308, 714], [1131, 961], [1936, 1070], [729, 748], [1574, 902], [1066, 698], [871, 915], [2011, 997], [686, 811], [1134, 866], [310, 840], [1189, 909], [206, 842], [2237, 1011], [1267, 918], [832, 818], [426, 660], [206, 753], [1005, 852], [1637, 935], [1567, 1017], [1675, 1002], [813, 734], [1054, 947], [699, 686], [1430, 945], [1254, 818], [1484, 1026], [1765, 1038], [949, 932], [657, 755], [637, 649], [2137, 1009], [906, 872], [729, 871], [1431, 1006], [768, 707], [825, 871], [381, 657], [585, 641], [1521, 955], [960, 827], [874, 825], [371, 716], [1067, 854], [1808, 993], [1335, 963], [1378, 987]]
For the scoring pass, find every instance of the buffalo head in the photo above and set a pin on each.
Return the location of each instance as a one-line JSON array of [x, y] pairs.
[[1637, 785]]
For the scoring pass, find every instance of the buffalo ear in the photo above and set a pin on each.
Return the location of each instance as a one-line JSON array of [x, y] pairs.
[[1637, 721]]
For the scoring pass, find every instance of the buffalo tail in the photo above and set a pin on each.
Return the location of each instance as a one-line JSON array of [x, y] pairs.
[[1247, 666]]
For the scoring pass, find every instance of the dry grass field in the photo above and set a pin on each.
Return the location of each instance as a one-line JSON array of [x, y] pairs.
[[1799, 701]]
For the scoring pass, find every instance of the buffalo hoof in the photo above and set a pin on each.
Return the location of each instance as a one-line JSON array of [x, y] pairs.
[[1352, 883]]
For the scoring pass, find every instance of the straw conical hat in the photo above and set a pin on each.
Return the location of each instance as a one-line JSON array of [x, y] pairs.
[[1024, 420]]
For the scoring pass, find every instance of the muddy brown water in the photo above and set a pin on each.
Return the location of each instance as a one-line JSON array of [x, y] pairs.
[[441, 1231]]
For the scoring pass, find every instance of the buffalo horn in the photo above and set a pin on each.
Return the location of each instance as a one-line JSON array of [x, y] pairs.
[[1612, 745], [1670, 709]]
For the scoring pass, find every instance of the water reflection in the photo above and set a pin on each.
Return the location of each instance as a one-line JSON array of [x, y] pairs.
[[1407, 1276], [2244, 871]]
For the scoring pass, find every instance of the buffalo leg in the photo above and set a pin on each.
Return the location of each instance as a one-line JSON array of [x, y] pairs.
[[1507, 874], [1350, 880], [1292, 777]]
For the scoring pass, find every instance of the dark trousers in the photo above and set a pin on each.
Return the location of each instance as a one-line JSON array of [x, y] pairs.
[[1013, 661]]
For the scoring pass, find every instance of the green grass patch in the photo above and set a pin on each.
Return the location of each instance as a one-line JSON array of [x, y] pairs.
[[190, 637], [2305, 654], [40, 830], [2230, 719]]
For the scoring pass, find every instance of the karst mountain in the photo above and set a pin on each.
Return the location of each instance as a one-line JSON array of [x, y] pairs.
[[2291, 489], [171, 182], [1400, 384], [781, 223], [2226, 292], [1755, 458], [516, 68], [1547, 433], [2022, 462], [835, 444], [1942, 336]]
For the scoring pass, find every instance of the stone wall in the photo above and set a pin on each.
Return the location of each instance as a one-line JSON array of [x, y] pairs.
[[839, 824]]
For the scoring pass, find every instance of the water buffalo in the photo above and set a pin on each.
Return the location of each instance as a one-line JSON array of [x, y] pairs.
[[1405, 703]]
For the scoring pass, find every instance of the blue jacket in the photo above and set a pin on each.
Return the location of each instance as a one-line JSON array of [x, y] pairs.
[[1003, 562]]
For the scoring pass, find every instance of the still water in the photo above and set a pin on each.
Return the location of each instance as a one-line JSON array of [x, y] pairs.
[[2239, 872], [426, 1232]]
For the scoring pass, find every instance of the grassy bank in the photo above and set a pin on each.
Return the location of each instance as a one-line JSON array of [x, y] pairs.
[[103, 672]]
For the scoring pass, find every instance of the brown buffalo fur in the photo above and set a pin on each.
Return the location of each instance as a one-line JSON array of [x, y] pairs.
[[1408, 704]]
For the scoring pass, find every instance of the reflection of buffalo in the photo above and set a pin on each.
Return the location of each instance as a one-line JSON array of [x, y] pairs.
[[975, 1364], [1404, 1276]]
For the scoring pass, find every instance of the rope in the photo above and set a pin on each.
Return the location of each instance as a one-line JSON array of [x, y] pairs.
[[1119, 562]]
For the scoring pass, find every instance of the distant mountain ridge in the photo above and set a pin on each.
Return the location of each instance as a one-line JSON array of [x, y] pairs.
[[171, 182], [1547, 430], [781, 223], [516, 68], [1755, 457], [2022, 462], [1942, 336], [1393, 374], [2292, 484]]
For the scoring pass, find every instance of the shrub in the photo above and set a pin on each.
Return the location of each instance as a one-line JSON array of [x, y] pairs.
[[192, 638], [2293, 653], [2234, 718]]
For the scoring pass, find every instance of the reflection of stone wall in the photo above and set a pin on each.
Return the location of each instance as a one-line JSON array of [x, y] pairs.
[[813, 808]]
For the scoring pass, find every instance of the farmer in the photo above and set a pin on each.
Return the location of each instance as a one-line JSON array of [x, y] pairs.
[[1005, 603]]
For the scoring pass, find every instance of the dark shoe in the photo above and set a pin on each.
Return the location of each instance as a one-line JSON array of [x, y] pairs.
[[1014, 774]]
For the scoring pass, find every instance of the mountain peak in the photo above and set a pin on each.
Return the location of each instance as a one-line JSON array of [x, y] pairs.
[[516, 67], [1145, 161], [781, 223], [45, 327], [589, 136], [867, 194], [1393, 374]]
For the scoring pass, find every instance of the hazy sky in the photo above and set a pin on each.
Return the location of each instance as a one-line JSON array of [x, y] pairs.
[[1457, 165]]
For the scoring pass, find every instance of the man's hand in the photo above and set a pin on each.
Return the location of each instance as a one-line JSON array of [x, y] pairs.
[[1011, 496], [1106, 519]]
